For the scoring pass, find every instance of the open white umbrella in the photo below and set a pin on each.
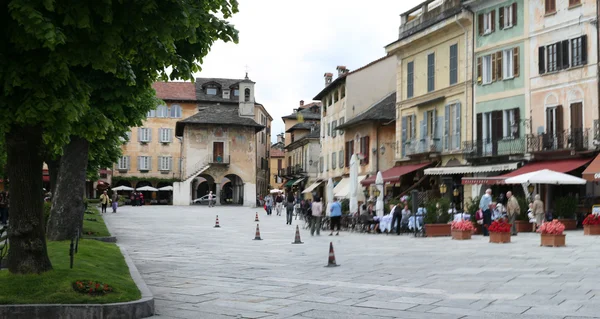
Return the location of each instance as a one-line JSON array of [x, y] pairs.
[[122, 188], [546, 176], [353, 184], [276, 191], [166, 189], [379, 204], [329, 196], [146, 189]]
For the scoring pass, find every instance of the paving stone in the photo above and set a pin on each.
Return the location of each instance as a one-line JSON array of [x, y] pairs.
[[198, 271]]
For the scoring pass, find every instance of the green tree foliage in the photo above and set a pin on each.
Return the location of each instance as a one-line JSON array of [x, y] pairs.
[[64, 67]]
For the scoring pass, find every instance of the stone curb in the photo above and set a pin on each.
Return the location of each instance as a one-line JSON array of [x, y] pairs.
[[111, 239], [141, 308]]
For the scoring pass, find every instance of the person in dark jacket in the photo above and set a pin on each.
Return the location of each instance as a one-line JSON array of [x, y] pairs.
[[289, 207]]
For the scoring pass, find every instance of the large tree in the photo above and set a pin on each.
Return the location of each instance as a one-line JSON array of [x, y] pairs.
[[51, 52]]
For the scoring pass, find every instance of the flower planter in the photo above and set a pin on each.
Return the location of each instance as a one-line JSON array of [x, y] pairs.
[[437, 230], [592, 230], [552, 240], [570, 224], [523, 226], [499, 238], [461, 234]]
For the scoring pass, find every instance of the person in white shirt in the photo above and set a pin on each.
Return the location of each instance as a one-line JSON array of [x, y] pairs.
[[317, 213]]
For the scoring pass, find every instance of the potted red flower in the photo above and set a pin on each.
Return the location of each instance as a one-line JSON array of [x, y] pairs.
[[462, 230], [499, 231], [591, 224], [552, 234]]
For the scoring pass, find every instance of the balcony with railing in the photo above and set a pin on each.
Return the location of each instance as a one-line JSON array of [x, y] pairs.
[[216, 159], [427, 14], [423, 146], [570, 140], [494, 147]]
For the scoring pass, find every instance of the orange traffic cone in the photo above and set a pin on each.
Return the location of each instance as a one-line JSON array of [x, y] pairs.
[[217, 222], [256, 218], [257, 236], [331, 260], [297, 239]]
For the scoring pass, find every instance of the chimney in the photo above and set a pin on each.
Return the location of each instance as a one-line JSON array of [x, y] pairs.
[[328, 78], [301, 103], [341, 70]]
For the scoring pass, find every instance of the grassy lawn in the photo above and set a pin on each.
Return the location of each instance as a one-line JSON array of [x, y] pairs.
[[96, 261], [97, 227]]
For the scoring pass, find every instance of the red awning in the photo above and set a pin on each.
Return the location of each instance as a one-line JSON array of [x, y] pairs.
[[561, 166], [592, 172], [394, 174]]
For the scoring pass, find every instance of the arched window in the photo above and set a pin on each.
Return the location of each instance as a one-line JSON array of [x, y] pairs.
[[162, 111], [175, 111], [247, 95]]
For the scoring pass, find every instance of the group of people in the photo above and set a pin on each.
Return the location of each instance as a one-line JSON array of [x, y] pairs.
[[106, 200], [507, 207], [137, 198]]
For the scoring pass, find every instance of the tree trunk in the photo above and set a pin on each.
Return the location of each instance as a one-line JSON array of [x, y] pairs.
[[67, 200], [53, 168], [27, 252]]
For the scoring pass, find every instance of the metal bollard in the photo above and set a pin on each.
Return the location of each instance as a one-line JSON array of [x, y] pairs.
[[77, 241]]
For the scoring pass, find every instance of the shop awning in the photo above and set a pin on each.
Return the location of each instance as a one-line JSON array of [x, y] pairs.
[[312, 187], [290, 183], [298, 181], [394, 174], [561, 166], [471, 169], [592, 172], [342, 189]]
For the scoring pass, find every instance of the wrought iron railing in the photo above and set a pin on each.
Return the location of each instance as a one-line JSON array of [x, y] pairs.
[[219, 159], [574, 139], [494, 147], [424, 145]]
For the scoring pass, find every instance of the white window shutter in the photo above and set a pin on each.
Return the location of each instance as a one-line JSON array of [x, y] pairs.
[[170, 163], [149, 134], [170, 134], [149, 161], [160, 163], [126, 162]]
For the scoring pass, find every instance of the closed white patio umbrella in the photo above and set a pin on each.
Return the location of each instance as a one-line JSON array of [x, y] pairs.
[[353, 184], [379, 204], [546, 176]]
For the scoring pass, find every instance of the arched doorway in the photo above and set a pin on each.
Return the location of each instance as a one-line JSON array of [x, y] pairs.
[[232, 190], [164, 197], [203, 184]]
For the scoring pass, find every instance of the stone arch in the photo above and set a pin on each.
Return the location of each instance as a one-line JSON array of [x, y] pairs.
[[142, 184], [232, 190], [575, 94], [123, 183], [202, 184]]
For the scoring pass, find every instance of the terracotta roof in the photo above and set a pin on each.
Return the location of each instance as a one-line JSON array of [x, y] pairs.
[[276, 152], [218, 115], [175, 91]]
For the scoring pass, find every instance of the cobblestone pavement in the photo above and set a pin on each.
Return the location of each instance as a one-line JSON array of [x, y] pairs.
[[197, 271]]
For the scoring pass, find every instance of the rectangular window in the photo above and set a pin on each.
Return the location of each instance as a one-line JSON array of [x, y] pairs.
[[329, 129], [341, 158], [144, 163], [453, 64], [151, 113], [507, 66], [431, 123], [550, 6], [165, 163], [333, 128], [145, 134], [410, 127], [552, 58], [364, 150], [487, 23], [487, 69], [321, 168], [507, 17], [213, 91], [342, 121], [430, 72], [577, 51], [487, 126], [509, 122], [349, 152], [279, 163], [165, 135], [333, 160], [410, 73], [123, 163], [574, 3]]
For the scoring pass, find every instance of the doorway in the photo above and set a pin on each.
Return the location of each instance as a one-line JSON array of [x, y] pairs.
[[218, 148]]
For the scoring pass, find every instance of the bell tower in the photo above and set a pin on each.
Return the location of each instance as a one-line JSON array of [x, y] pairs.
[[246, 97]]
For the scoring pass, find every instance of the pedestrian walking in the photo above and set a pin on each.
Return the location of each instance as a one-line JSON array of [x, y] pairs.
[[336, 216], [279, 204], [269, 204], [291, 202], [484, 205], [317, 213], [512, 210], [104, 200], [538, 211], [115, 202], [210, 199]]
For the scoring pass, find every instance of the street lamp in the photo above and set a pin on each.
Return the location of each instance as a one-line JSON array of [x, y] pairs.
[[455, 192], [443, 189]]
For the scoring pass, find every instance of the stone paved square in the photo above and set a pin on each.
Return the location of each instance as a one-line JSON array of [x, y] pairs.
[[197, 271]]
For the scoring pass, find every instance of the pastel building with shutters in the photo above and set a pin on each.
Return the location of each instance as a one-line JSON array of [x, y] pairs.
[[434, 87]]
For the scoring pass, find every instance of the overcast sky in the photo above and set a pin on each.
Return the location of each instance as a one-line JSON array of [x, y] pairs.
[[288, 45]]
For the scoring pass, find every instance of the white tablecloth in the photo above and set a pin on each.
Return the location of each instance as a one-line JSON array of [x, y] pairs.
[[385, 223]]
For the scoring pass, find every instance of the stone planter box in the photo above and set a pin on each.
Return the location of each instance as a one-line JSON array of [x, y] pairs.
[[461, 234], [592, 230], [570, 224], [523, 226], [552, 240], [499, 238], [438, 230]]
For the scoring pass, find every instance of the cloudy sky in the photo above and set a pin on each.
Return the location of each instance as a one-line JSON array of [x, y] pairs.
[[288, 45]]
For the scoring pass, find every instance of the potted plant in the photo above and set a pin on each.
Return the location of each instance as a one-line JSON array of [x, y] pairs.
[[499, 231], [462, 230], [591, 224], [552, 234], [522, 223], [472, 208], [437, 218], [565, 208]]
